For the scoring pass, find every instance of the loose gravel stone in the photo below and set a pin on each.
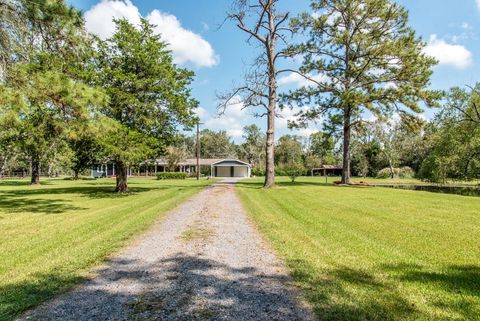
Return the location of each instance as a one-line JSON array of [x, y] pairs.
[[205, 261]]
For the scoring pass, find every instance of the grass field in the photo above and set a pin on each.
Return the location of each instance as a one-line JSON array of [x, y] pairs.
[[395, 181], [52, 234], [374, 253]]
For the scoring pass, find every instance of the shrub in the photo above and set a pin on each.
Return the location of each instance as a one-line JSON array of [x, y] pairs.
[[406, 172], [432, 170], [294, 170], [194, 174], [258, 170], [403, 172], [384, 173], [171, 175]]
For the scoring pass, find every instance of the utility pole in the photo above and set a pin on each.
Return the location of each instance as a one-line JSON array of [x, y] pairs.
[[198, 150]]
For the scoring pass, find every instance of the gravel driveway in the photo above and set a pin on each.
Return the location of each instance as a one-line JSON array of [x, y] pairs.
[[205, 261]]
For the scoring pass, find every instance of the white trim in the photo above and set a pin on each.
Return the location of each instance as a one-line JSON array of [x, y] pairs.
[[231, 160]]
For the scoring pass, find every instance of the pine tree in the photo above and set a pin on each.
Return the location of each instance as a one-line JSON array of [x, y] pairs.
[[360, 56]]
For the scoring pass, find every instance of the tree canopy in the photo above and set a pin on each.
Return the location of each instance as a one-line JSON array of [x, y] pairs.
[[149, 96], [360, 56]]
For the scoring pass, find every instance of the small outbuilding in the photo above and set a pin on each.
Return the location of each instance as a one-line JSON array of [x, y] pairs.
[[230, 168], [327, 170]]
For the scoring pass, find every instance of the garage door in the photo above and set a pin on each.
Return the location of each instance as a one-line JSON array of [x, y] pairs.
[[223, 171], [240, 171]]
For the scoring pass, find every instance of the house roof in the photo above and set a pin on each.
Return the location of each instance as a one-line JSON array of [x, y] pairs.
[[189, 161], [230, 162], [331, 167], [203, 162]]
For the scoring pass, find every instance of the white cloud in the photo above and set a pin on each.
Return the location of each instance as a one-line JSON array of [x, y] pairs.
[[232, 120], [186, 45], [99, 18], [296, 79], [448, 54], [478, 4], [201, 112]]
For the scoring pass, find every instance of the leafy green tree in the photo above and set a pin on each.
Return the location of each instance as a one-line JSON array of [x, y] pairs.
[[360, 55], [174, 156], [55, 103], [312, 161], [414, 143], [322, 145], [294, 170], [86, 151], [253, 149], [366, 150], [149, 95], [289, 150], [9, 124], [185, 142], [455, 139], [387, 134], [363, 166], [215, 144], [43, 62]]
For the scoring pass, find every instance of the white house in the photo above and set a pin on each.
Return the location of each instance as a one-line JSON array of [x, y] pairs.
[[218, 168]]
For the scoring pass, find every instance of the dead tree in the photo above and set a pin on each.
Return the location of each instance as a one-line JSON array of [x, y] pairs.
[[265, 27]]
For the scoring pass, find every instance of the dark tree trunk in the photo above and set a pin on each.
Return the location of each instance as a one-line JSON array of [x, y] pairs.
[[272, 103], [75, 175], [121, 174], [347, 133], [270, 151], [35, 180]]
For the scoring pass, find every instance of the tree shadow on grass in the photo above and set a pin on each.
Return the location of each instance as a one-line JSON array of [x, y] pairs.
[[12, 205], [347, 293], [458, 279], [169, 289], [13, 183], [40, 201], [16, 298], [31, 199]]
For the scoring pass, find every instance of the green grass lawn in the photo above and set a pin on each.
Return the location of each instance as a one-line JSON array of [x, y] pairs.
[[51, 235], [395, 181], [374, 253]]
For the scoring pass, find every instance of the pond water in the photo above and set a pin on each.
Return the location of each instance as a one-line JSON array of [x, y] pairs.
[[458, 190]]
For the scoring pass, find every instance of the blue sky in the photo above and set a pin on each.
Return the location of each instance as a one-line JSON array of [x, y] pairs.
[[218, 55]]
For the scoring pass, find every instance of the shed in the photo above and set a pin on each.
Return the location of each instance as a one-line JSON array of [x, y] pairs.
[[327, 170], [230, 168]]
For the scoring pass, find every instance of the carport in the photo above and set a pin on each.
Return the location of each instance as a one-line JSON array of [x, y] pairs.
[[230, 168]]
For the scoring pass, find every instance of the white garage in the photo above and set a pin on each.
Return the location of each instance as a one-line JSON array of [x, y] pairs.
[[230, 168]]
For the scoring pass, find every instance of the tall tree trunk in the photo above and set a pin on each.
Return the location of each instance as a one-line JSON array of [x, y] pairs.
[[270, 45], [392, 170], [121, 175], [347, 133], [35, 180], [75, 175], [270, 151]]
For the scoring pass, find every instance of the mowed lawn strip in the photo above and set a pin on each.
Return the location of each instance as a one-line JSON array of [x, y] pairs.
[[53, 234], [374, 253]]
